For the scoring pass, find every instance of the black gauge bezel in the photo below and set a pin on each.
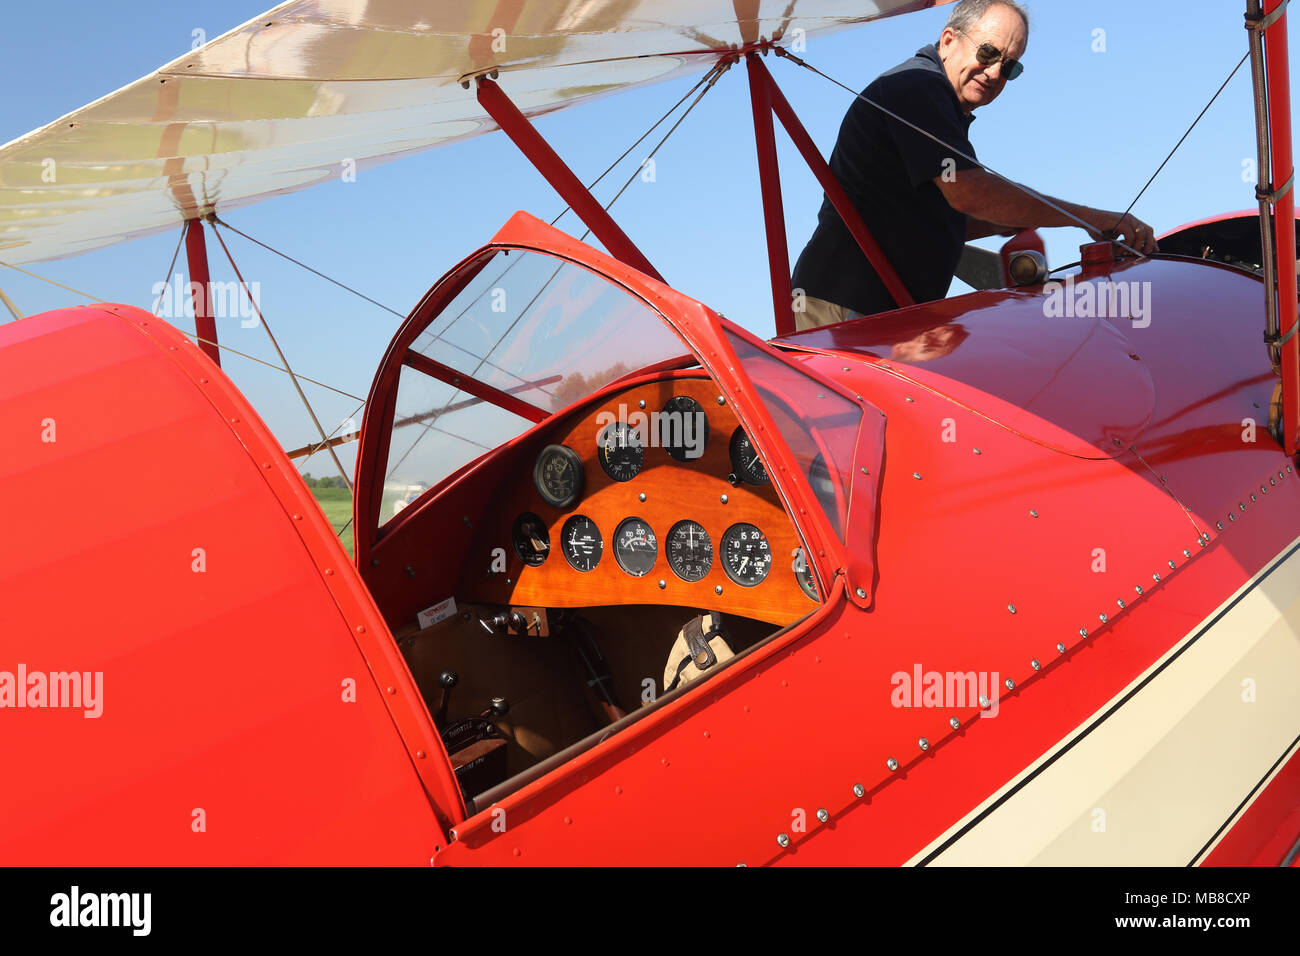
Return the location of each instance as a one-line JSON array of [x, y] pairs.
[[565, 533], [618, 550], [745, 473], [567, 454], [672, 561], [678, 452], [532, 558], [636, 450], [723, 549]]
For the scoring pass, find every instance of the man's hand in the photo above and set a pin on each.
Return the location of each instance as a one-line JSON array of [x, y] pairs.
[[1130, 229]]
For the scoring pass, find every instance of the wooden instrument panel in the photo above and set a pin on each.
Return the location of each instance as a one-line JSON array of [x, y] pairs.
[[665, 492]]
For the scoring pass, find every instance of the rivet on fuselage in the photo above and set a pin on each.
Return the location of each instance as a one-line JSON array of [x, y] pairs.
[[908, 398], [1033, 513], [1232, 517], [722, 400], [1172, 565], [891, 763], [1272, 480], [1138, 588], [844, 368], [1219, 525], [916, 475], [1083, 632], [717, 589], [1155, 578], [782, 840], [1011, 685], [1241, 505], [859, 790], [984, 701], [662, 584], [1253, 498], [1060, 648], [822, 815], [1103, 618], [641, 404], [1186, 553], [1120, 602], [1011, 608], [977, 451], [724, 499], [1035, 664], [641, 496], [923, 744], [954, 723], [861, 593]]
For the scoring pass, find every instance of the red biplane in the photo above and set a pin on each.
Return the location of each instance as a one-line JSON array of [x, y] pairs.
[[949, 584]]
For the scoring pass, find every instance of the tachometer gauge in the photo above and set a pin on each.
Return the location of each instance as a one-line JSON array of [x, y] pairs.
[[746, 555], [689, 550], [683, 428], [581, 543], [745, 461], [621, 451], [558, 475], [635, 547], [531, 540]]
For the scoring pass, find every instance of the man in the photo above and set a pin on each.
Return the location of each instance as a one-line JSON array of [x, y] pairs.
[[921, 200]]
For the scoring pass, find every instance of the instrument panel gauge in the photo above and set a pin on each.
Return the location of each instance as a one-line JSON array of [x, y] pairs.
[[557, 475], [745, 461], [803, 573], [581, 543], [746, 555], [621, 451], [683, 428], [531, 540], [635, 547], [689, 550]]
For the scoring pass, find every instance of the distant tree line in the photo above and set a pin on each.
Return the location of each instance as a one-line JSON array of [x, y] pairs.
[[335, 481]]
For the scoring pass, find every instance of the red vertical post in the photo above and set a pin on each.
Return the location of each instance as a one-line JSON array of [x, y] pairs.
[[769, 178], [530, 142], [1279, 111], [835, 193], [205, 325]]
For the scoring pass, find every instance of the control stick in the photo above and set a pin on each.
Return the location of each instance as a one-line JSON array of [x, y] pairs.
[[446, 680]]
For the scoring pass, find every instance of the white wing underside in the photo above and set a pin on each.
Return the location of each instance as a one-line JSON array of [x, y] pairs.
[[284, 101]]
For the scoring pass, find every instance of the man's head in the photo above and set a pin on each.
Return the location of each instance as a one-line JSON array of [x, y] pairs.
[[999, 23]]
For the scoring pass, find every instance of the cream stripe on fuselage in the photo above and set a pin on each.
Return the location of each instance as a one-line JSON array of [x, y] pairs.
[[1171, 764]]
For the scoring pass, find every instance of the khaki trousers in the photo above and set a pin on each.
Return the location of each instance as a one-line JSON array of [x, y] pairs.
[[819, 312]]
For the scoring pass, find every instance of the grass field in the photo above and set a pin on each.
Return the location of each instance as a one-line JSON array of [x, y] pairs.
[[337, 505]]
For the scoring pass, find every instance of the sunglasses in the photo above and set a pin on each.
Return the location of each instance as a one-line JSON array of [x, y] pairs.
[[988, 54]]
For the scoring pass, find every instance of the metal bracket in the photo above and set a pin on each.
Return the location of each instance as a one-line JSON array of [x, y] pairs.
[[1272, 196], [1261, 23], [478, 76], [1280, 340]]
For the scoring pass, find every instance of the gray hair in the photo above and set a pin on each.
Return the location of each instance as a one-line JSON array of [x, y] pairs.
[[967, 13]]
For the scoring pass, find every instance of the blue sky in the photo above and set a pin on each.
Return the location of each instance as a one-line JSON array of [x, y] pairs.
[[1086, 125]]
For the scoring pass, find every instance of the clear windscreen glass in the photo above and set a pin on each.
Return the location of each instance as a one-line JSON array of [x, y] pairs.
[[819, 425], [542, 330]]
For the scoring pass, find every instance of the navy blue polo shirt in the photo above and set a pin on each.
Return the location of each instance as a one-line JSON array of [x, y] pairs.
[[888, 171]]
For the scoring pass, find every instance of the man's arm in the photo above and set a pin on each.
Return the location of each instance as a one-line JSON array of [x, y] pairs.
[[979, 229], [981, 195]]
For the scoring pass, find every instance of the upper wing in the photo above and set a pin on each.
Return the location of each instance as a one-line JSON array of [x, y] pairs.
[[291, 97]]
